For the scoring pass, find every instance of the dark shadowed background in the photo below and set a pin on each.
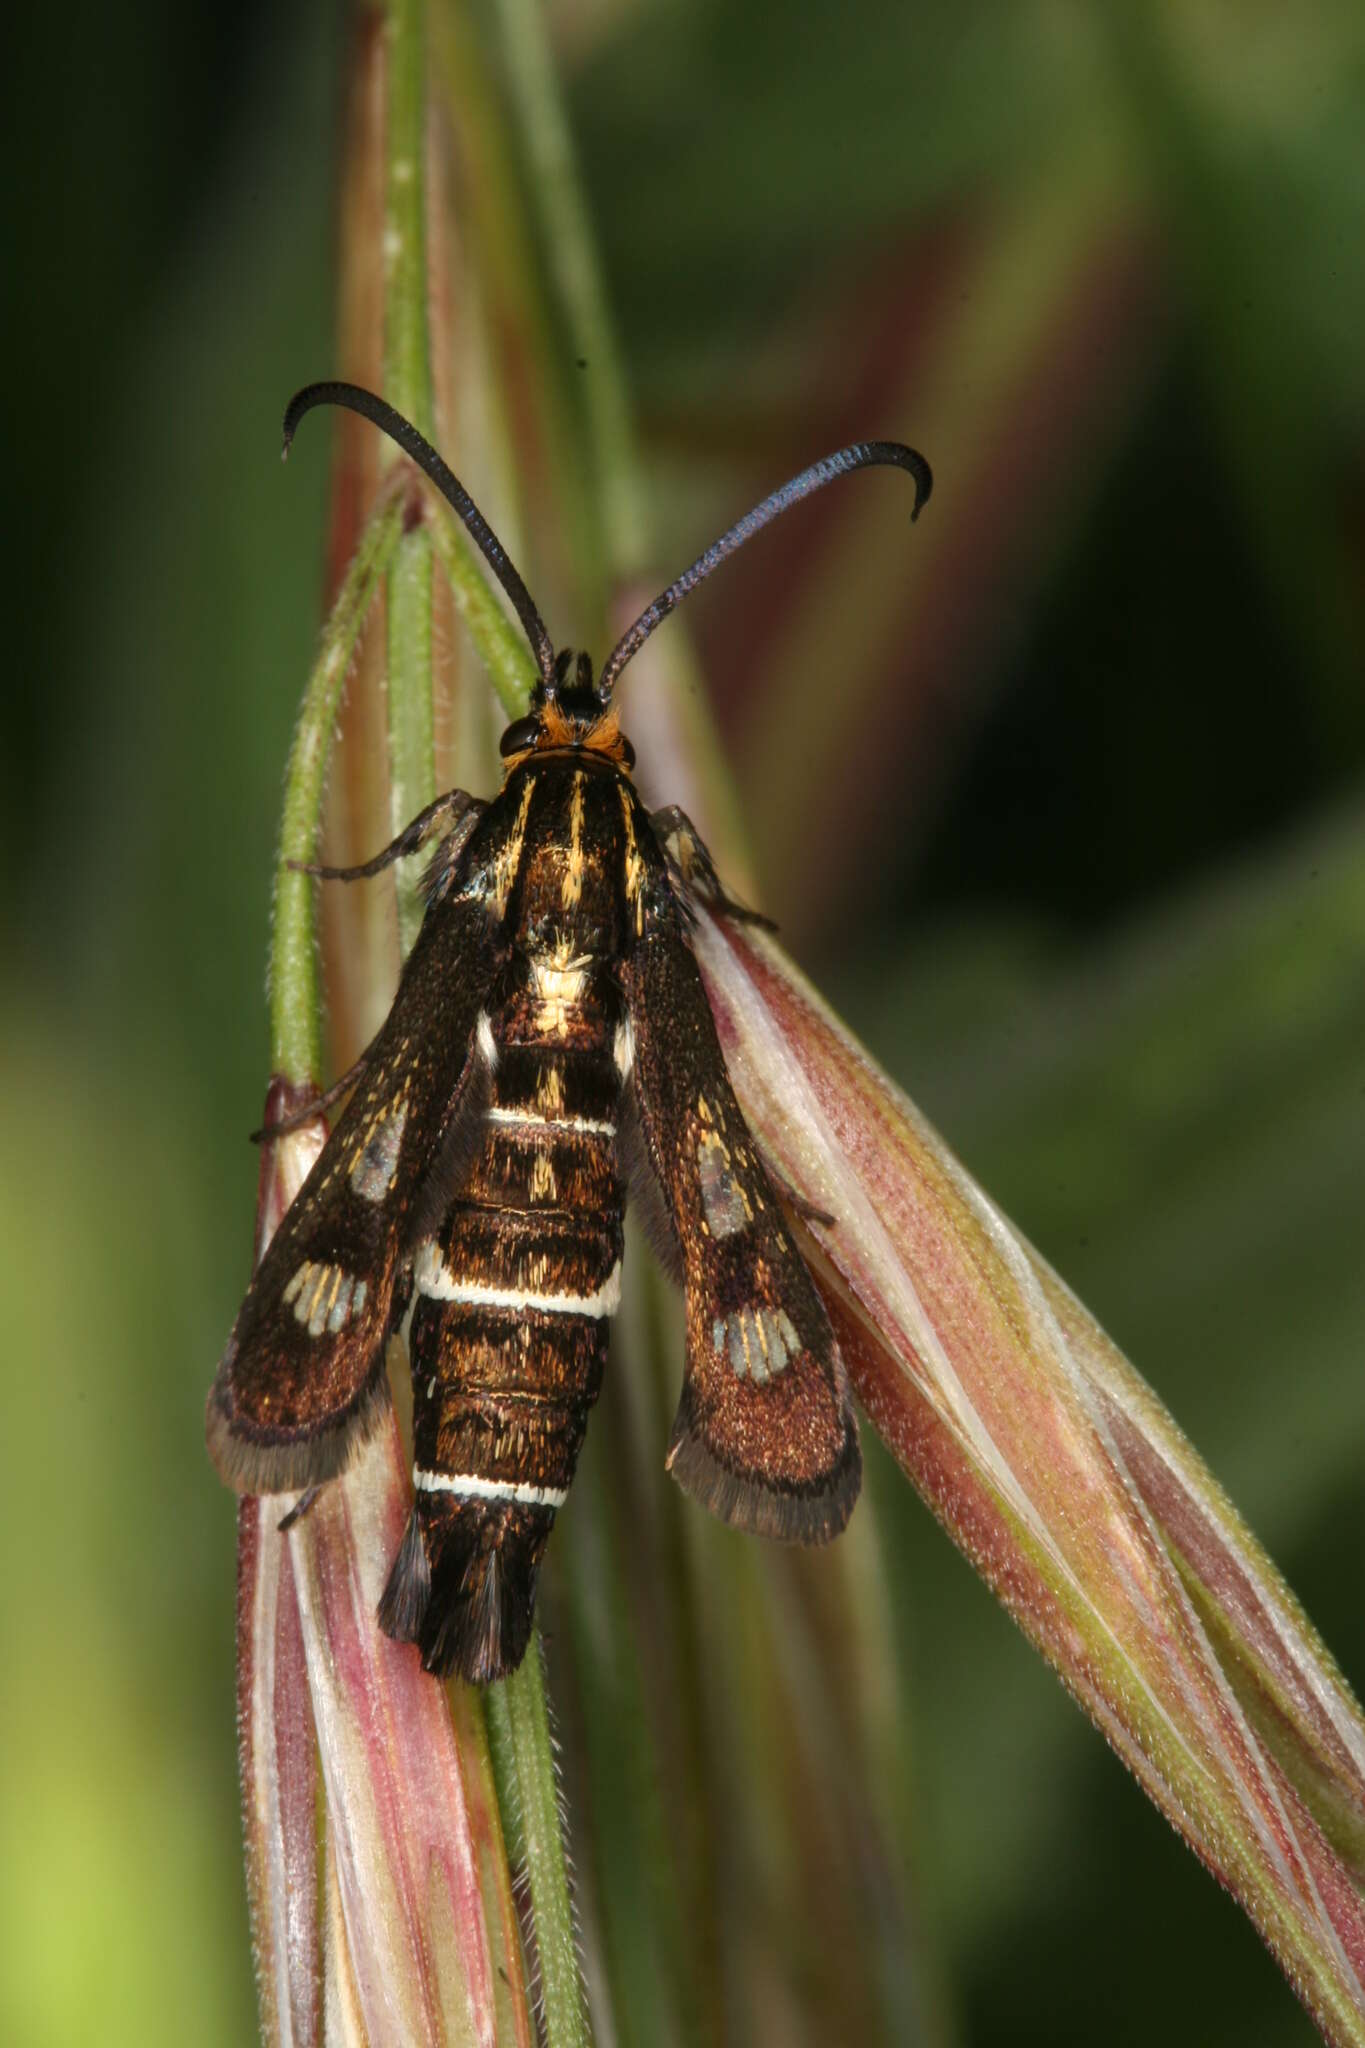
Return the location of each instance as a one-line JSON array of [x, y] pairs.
[[1060, 798]]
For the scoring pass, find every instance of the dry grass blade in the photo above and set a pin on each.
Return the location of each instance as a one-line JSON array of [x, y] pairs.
[[1070, 1488]]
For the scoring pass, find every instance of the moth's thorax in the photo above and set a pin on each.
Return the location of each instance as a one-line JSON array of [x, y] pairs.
[[559, 859]]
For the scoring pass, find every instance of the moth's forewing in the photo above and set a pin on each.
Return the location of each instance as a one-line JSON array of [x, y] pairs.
[[765, 1434], [302, 1378]]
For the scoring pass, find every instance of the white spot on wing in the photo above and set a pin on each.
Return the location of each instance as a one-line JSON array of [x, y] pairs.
[[757, 1343], [338, 1303], [724, 1202], [374, 1162], [734, 1326], [324, 1297]]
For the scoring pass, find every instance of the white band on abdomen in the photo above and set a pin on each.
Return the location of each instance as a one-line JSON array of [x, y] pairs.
[[470, 1487], [438, 1283]]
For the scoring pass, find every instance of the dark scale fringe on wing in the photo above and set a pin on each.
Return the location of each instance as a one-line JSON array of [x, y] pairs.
[[310, 1457], [788, 1512]]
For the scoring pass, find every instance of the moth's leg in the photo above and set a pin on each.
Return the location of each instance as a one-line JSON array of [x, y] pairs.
[[689, 859], [447, 810], [794, 1199], [317, 1107], [306, 1500]]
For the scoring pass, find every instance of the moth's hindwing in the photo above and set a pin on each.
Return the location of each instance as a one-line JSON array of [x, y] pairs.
[[302, 1380], [765, 1434]]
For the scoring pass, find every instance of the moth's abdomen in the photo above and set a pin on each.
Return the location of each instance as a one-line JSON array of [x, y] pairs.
[[509, 1334], [503, 1386]]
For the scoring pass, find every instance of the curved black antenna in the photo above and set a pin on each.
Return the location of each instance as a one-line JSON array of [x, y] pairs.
[[860, 455], [357, 399]]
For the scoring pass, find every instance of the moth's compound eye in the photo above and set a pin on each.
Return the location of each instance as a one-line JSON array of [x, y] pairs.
[[520, 734], [627, 752]]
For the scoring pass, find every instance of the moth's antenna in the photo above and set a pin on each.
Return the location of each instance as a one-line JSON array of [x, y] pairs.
[[861, 455], [357, 399]]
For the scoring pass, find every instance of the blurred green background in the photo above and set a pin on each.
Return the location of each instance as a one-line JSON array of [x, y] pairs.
[[1060, 799]]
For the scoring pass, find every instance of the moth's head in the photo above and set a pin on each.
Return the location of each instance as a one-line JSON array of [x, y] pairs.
[[568, 712]]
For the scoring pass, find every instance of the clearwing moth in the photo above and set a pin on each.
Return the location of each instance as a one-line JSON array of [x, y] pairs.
[[550, 1047]]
